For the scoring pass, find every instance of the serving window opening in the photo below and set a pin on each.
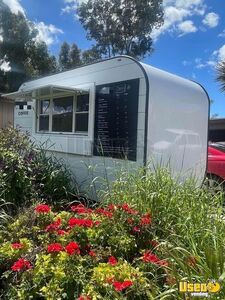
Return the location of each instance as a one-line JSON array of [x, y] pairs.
[[62, 111]]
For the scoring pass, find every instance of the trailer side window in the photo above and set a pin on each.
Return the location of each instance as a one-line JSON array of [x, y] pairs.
[[44, 110], [81, 113], [62, 114], [68, 113]]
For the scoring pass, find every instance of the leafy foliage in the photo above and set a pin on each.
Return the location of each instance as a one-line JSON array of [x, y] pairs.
[[27, 58], [75, 56], [27, 172], [69, 56], [149, 234], [121, 26], [221, 74], [91, 55]]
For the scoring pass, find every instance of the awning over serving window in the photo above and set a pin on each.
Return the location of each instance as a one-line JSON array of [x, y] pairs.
[[42, 91]]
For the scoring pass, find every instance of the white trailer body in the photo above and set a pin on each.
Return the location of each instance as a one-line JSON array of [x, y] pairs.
[[134, 111]]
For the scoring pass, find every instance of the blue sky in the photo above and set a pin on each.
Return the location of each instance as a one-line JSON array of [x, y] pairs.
[[189, 44]]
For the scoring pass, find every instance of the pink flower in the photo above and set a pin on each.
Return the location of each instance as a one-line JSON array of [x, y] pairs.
[[17, 245], [42, 208], [21, 264], [55, 248], [112, 261], [72, 248]]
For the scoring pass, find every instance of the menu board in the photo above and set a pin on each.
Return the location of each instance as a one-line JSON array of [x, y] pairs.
[[116, 115]]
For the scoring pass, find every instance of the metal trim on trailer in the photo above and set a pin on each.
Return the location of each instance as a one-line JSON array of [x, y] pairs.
[[207, 123]]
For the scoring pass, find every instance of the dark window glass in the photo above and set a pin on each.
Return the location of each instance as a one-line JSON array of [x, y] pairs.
[[21, 107], [44, 107], [62, 114], [28, 106], [62, 122], [81, 124], [44, 123], [82, 102]]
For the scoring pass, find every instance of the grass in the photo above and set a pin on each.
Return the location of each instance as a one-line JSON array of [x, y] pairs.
[[188, 220]]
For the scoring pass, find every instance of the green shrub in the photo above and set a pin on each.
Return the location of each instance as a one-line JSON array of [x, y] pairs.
[[27, 172]]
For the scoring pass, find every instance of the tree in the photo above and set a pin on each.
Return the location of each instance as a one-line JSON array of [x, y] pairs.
[[18, 47], [91, 55], [75, 56], [39, 62], [64, 57], [221, 74], [121, 26]]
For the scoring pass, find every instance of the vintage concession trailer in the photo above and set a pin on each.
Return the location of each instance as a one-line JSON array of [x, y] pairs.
[[127, 111]]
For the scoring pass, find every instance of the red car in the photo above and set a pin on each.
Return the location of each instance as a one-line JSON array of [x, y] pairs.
[[216, 165]]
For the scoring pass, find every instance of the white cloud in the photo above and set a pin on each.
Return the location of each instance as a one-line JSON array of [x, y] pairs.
[[47, 33], [175, 13], [15, 6], [4, 65], [216, 57], [209, 63], [222, 34], [186, 63], [187, 27], [211, 20], [71, 5], [220, 53]]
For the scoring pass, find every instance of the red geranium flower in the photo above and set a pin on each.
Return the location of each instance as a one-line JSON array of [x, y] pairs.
[[84, 298], [136, 229], [110, 280], [61, 232], [104, 212], [80, 222], [55, 248], [54, 226], [111, 207], [92, 253], [112, 261], [120, 286], [154, 243], [146, 220], [128, 209], [152, 258], [42, 208], [192, 261], [130, 221], [80, 209], [72, 248], [17, 245], [21, 264], [96, 223]]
